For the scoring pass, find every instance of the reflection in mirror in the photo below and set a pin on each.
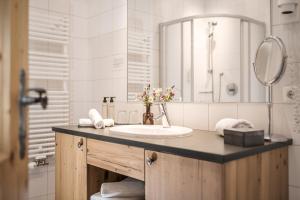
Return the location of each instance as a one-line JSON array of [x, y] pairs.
[[204, 48]]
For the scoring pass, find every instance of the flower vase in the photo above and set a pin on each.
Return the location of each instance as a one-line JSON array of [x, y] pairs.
[[148, 116]]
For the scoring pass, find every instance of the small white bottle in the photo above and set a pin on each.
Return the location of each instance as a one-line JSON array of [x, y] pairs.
[[104, 107], [111, 108]]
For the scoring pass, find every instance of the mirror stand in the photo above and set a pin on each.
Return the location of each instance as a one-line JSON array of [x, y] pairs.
[[272, 137]]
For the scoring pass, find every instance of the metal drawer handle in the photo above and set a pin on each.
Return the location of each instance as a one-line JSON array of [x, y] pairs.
[[150, 160], [80, 143]]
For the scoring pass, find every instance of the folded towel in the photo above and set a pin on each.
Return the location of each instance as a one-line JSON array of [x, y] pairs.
[[98, 196], [85, 123], [123, 189], [96, 118], [228, 123], [88, 123], [108, 122]]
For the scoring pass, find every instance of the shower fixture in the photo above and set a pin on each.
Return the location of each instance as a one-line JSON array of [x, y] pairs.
[[211, 29]]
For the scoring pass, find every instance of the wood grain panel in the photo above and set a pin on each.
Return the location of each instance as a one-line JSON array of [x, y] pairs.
[[70, 168], [117, 158], [260, 177], [172, 177]]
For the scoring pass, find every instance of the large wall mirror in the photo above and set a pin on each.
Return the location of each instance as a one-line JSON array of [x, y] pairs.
[[205, 48]]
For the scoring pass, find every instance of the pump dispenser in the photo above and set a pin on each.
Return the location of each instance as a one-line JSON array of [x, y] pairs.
[[104, 107], [111, 108]]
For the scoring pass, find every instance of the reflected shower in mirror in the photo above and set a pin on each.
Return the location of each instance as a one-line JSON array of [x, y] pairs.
[[204, 48]]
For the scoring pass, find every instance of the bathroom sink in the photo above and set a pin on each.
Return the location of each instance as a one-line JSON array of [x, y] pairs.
[[151, 131]]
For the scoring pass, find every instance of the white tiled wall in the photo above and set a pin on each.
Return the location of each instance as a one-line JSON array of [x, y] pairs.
[[288, 28]]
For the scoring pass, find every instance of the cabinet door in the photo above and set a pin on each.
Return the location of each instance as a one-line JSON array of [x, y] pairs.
[[70, 168], [171, 177]]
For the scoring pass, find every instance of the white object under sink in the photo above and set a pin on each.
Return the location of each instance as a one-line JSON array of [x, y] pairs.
[[151, 131]]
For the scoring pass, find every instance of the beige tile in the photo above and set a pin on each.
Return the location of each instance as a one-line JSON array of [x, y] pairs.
[[282, 119], [62, 6], [196, 116], [254, 112], [289, 33], [37, 185], [220, 111], [43, 4], [175, 113], [51, 182]]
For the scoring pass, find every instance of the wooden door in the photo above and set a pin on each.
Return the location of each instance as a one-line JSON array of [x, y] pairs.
[[13, 55], [70, 167]]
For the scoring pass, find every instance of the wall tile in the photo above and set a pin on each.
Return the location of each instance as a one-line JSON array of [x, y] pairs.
[[294, 193], [79, 48], [120, 41], [175, 113], [195, 116], [37, 185], [282, 119], [44, 197], [62, 6], [51, 197], [80, 70], [79, 27], [120, 18], [102, 68], [43, 4], [255, 113], [220, 111], [79, 8], [118, 3], [290, 79], [97, 7], [101, 24], [289, 33]]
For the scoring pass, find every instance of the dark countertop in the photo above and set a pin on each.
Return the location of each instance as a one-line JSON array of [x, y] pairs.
[[202, 145]]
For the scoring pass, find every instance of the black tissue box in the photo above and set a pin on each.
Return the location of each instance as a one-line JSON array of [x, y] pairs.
[[244, 137]]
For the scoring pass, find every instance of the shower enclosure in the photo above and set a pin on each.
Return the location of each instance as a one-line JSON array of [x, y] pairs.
[[209, 58]]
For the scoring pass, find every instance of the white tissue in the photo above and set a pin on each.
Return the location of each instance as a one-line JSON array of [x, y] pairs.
[[85, 122], [96, 118], [228, 123]]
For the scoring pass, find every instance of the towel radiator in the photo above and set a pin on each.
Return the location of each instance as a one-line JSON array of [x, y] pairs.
[[48, 67]]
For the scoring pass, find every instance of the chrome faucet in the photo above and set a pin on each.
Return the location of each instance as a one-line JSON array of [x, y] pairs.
[[163, 115]]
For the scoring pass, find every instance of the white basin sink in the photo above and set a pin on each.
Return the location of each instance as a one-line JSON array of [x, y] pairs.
[[151, 131]]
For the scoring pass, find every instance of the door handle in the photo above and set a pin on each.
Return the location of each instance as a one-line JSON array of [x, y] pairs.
[[24, 101]]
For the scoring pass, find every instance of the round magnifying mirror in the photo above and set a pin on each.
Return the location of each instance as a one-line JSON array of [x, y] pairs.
[[270, 61], [269, 67]]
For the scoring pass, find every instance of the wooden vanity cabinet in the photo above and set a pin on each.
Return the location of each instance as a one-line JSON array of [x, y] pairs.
[[71, 167], [82, 165], [263, 176]]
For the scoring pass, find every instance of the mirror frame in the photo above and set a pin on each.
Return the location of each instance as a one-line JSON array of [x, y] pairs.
[[283, 64]]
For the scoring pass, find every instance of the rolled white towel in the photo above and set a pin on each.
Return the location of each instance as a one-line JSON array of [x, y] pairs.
[[123, 189], [88, 123], [108, 122], [228, 123], [85, 122], [98, 196], [96, 118]]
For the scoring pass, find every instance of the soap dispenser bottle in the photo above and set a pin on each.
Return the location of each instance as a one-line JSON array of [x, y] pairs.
[[111, 108], [104, 107]]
